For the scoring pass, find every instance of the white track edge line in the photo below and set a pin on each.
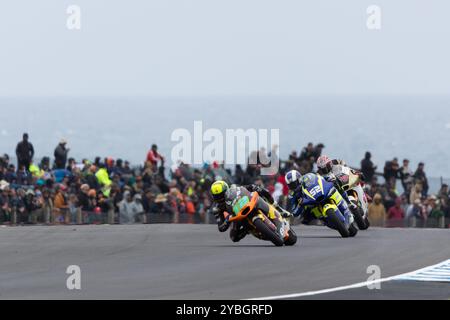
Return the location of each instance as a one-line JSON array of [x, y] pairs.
[[352, 286]]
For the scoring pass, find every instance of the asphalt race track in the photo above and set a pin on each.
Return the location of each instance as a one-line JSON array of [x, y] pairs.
[[197, 262]]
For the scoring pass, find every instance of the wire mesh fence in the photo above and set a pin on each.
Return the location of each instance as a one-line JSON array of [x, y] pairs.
[[76, 216]]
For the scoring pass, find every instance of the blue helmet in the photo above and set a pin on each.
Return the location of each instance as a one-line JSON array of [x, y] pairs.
[[293, 178]]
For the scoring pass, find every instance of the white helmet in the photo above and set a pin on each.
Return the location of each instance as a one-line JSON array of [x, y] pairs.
[[293, 179]]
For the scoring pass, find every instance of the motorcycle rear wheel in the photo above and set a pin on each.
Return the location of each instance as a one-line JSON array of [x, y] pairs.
[[366, 220], [268, 233]]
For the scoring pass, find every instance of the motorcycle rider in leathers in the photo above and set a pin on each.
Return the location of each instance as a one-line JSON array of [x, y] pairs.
[[220, 208]]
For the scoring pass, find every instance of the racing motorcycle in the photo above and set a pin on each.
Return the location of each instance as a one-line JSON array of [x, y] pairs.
[[323, 200], [350, 182], [261, 219]]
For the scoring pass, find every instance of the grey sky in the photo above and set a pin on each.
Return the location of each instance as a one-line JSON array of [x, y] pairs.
[[248, 47]]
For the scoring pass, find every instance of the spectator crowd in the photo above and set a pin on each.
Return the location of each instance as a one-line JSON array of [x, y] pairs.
[[65, 190], [394, 206]]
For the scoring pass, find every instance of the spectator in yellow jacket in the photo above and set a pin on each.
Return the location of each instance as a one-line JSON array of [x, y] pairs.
[[377, 211]]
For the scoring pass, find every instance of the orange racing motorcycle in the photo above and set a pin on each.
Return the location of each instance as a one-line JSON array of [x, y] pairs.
[[259, 217]]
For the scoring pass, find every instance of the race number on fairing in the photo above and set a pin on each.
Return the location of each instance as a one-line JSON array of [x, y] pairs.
[[314, 191]]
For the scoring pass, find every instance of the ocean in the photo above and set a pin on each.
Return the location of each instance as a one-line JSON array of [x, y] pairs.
[[417, 128]]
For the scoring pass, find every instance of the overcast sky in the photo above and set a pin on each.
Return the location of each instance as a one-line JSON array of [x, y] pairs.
[[226, 47]]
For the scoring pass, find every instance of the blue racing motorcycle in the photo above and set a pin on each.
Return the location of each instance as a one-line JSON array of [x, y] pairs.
[[327, 204]]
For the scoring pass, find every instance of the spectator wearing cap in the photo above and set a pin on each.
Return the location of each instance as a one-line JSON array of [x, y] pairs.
[[161, 205], [434, 207], [24, 152], [61, 153]]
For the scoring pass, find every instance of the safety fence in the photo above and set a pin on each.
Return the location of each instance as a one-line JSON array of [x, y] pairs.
[[76, 216], [414, 222]]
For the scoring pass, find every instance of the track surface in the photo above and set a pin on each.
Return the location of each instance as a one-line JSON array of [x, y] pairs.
[[197, 262]]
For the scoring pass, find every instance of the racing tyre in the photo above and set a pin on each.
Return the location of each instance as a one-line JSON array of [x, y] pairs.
[[366, 220], [337, 223], [292, 240], [268, 233], [352, 230], [359, 219]]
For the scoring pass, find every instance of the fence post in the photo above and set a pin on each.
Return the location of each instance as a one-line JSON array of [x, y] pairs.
[[14, 216], [441, 222], [413, 222], [47, 214], [33, 216], [111, 215], [79, 216], [67, 216]]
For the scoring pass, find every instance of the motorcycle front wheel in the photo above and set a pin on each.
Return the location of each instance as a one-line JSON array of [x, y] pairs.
[[352, 230], [268, 233], [339, 225], [359, 219], [292, 239]]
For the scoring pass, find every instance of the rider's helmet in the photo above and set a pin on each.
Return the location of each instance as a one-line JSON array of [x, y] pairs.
[[324, 164], [218, 190], [293, 178]]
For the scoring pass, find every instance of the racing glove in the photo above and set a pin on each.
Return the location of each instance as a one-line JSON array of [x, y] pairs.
[[225, 225], [222, 222]]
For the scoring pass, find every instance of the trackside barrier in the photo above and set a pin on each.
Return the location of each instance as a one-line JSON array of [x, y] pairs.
[[48, 215]]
